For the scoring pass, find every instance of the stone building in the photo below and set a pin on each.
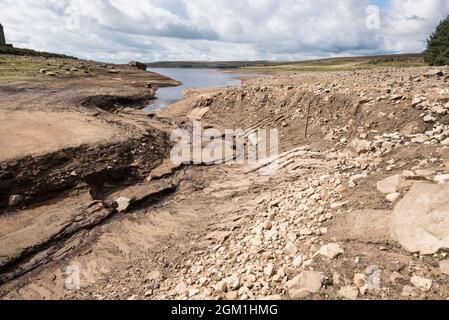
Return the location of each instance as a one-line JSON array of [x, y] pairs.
[[2, 36]]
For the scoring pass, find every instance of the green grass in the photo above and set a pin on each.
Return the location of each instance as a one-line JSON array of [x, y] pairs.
[[344, 64], [19, 68]]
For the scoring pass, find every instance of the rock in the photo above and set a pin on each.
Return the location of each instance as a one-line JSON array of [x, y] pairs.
[[359, 280], [444, 267], [154, 276], [420, 139], [409, 291], [331, 250], [442, 179], [291, 249], [434, 73], [445, 142], [221, 286], [298, 261], [396, 97], [193, 292], [390, 184], [304, 284], [439, 110], [181, 289], [306, 232], [393, 197], [420, 221], [358, 146], [138, 65], [337, 205], [267, 225], [15, 200], [373, 280], [123, 204], [269, 270], [421, 283], [350, 293], [429, 118], [416, 101]]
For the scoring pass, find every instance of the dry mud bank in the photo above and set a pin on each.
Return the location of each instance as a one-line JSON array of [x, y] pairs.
[[357, 209]]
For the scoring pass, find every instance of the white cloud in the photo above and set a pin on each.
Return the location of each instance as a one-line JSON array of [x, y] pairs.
[[120, 30]]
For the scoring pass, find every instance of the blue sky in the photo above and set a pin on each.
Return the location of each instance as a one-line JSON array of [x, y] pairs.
[[381, 3], [151, 30]]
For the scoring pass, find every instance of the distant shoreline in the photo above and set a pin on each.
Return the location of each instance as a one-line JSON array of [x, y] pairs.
[[266, 63]]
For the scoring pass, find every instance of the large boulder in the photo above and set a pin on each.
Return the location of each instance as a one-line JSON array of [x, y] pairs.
[[138, 65], [420, 221]]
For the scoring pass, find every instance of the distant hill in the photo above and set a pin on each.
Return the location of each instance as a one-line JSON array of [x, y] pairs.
[[410, 58], [211, 64], [33, 53]]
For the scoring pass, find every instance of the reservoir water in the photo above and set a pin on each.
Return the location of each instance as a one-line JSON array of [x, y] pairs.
[[191, 78]]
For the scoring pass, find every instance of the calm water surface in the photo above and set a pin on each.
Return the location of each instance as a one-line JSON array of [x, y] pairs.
[[191, 78]]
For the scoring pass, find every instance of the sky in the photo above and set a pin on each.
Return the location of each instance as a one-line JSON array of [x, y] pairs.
[[156, 30]]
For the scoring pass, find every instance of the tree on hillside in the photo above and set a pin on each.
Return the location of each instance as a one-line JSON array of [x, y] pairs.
[[437, 52]]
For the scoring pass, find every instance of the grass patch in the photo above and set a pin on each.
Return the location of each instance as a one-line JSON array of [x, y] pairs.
[[19, 68], [344, 64]]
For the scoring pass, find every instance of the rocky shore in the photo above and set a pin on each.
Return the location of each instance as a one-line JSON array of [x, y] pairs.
[[357, 209]]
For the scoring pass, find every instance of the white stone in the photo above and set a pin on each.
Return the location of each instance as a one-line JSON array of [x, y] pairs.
[[429, 118], [269, 270], [291, 249], [442, 179], [123, 204], [298, 261], [304, 284], [420, 221], [421, 283], [390, 184], [306, 232], [358, 146], [331, 250], [393, 197]]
